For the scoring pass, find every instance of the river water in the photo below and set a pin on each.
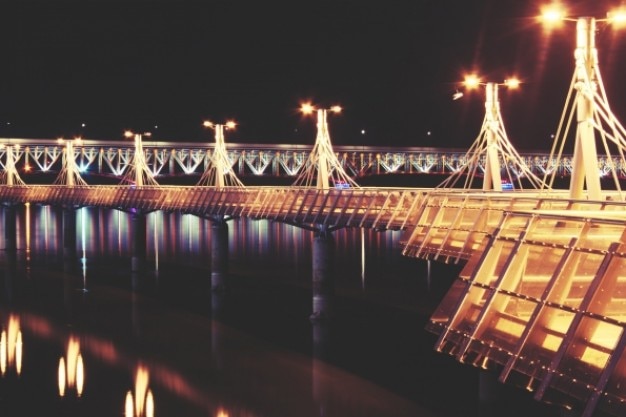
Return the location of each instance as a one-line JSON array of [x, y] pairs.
[[84, 336]]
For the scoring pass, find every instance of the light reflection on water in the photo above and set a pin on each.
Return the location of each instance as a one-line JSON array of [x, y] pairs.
[[169, 347]]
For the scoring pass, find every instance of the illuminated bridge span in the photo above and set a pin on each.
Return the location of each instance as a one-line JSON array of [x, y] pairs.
[[305, 207], [114, 158], [542, 297]]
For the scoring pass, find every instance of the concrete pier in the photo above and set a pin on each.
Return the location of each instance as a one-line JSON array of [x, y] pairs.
[[219, 255], [323, 281], [138, 242], [10, 228], [69, 239]]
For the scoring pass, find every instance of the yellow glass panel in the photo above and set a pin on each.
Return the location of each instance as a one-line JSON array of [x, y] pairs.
[[540, 265], [606, 335], [573, 282], [610, 298], [493, 264]]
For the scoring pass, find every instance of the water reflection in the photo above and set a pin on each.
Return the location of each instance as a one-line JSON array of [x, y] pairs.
[[163, 338], [141, 402], [11, 346], [71, 373]]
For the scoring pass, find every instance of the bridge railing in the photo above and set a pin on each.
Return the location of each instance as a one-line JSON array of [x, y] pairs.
[[450, 226], [380, 208]]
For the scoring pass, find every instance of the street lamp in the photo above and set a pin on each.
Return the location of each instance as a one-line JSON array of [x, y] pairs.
[[229, 125], [220, 173], [70, 174], [492, 143], [139, 166], [591, 105], [323, 158], [493, 124]]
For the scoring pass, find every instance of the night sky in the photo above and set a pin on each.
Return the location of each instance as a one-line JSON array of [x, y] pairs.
[[392, 65]]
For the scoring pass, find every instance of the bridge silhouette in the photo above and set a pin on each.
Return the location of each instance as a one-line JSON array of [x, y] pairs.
[[541, 300]]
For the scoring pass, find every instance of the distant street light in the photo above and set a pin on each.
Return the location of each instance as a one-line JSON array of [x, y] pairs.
[[70, 173], [220, 174], [139, 165], [308, 108], [473, 81]]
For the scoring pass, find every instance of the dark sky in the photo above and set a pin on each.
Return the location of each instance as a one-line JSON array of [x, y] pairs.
[[393, 66]]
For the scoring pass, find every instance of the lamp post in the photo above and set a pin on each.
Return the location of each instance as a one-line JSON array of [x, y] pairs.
[[586, 82], [322, 131], [323, 158], [139, 160], [492, 144], [70, 174], [492, 125], [220, 162]]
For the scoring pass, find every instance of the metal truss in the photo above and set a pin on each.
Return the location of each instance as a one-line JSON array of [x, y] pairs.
[[113, 158]]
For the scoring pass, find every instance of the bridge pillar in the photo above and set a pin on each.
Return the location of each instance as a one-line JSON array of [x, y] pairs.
[[10, 228], [69, 238], [323, 285], [10, 276], [219, 254], [138, 242]]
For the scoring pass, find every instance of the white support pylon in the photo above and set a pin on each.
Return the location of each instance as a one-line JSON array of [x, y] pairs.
[[9, 175], [69, 174], [219, 172], [323, 167], [139, 173], [494, 148], [588, 104]]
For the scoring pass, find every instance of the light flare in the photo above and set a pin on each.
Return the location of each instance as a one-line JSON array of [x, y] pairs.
[[471, 81], [307, 108], [512, 83], [617, 17], [552, 16]]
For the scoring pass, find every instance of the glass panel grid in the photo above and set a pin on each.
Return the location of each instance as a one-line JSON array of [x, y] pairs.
[[530, 297]]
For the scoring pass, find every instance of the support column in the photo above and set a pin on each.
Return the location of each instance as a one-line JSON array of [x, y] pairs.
[[138, 242], [323, 283], [10, 228], [10, 276], [69, 238], [219, 255], [58, 224]]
